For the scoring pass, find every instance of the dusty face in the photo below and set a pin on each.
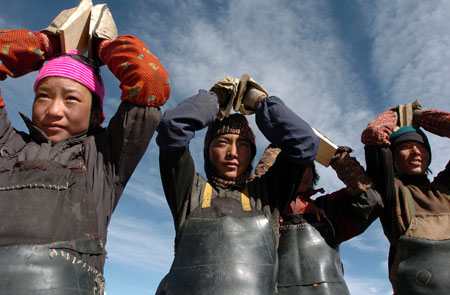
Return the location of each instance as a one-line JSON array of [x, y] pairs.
[[411, 158], [61, 108], [306, 182], [230, 154]]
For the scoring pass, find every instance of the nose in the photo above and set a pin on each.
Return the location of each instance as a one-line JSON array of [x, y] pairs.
[[232, 151], [416, 149], [55, 108]]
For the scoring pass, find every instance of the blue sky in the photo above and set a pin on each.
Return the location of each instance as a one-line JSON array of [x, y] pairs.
[[335, 63]]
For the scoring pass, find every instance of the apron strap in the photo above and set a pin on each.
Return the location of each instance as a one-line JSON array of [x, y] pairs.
[[410, 201], [206, 203], [207, 194], [245, 200]]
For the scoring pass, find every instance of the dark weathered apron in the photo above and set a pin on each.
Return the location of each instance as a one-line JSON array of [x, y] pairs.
[[423, 253], [309, 260], [45, 201], [224, 256]]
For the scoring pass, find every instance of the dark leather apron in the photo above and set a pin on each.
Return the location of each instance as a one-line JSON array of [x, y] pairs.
[[309, 260], [45, 201], [423, 253], [223, 256]]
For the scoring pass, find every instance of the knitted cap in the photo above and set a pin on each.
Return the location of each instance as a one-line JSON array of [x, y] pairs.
[[409, 133], [68, 67], [234, 124]]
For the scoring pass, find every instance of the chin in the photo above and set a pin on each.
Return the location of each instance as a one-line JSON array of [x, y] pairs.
[[416, 172], [230, 175]]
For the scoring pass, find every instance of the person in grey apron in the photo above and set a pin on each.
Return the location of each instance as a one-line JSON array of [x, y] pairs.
[[416, 219], [227, 226], [60, 183], [311, 230]]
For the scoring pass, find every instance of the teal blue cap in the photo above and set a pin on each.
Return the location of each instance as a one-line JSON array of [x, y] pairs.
[[409, 133]]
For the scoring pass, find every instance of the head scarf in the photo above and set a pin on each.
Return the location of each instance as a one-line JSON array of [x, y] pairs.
[[75, 67]]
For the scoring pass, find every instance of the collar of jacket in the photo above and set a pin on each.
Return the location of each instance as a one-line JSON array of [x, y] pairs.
[[39, 136], [417, 180]]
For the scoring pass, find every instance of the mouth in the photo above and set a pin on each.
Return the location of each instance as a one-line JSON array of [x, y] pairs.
[[231, 165], [416, 162], [53, 127]]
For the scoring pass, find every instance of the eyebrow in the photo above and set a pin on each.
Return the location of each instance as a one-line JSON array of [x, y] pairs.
[[241, 138], [65, 89]]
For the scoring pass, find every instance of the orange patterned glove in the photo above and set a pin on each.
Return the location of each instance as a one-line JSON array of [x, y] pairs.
[[380, 129], [143, 79], [22, 51], [434, 121]]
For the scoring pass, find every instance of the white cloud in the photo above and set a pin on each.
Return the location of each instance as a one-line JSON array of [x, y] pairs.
[[368, 286], [141, 243], [293, 51], [372, 240], [411, 49]]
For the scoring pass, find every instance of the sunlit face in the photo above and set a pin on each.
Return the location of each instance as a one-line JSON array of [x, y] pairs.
[[61, 108], [411, 158], [306, 182], [230, 154]]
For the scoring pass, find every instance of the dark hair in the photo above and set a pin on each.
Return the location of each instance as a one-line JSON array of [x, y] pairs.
[[315, 175], [96, 107]]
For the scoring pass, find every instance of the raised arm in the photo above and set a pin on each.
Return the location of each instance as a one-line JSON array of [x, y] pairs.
[[298, 143], [282, 127], [175, 131], [354, 208], [434, 121], [23, 51], [145, 87], [437, 122]]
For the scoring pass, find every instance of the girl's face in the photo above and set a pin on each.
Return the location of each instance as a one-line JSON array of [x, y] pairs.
[[230, 154], [61, 108], [411, 158]]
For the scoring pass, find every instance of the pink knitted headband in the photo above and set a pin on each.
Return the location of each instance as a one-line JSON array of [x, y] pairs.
[[67, 67]]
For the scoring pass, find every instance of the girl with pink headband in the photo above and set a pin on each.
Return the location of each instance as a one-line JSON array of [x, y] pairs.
[[60, 183]]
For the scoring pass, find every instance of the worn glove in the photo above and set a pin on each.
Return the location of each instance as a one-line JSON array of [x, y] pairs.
[[101, 27], [350, 172], [143, 79], [23, 51], [225, 89], [71, 27], [380, 129], [249, 95], [434, 121], [406, 113]]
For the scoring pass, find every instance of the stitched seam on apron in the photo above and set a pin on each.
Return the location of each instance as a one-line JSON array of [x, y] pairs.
[[35, 185]]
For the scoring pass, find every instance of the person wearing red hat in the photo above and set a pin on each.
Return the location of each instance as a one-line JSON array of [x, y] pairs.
[[416, 218], [227, 226], [60, 183]]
